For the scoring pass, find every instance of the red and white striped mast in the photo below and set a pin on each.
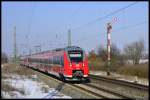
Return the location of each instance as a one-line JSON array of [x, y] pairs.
[[109, 28]]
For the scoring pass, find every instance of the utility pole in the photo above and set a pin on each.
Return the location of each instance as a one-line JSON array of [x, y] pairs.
[[15, 47], [109, 27], [37, 48], [30, 51], [69, 37]]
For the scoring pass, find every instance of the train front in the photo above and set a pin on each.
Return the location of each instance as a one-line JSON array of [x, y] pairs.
[[76, 68]]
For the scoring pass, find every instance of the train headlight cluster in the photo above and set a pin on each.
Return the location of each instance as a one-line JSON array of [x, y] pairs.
[[70, 65], [83, 64]]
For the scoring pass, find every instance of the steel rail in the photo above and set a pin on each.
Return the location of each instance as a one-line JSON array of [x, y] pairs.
[[120, 82], [91, 92], [110, 91], [73, 85], [93, 86]]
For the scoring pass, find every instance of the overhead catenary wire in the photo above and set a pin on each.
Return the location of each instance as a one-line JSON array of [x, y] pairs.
[[75, 13], [70, 17], [119, 29], [106, 16], [30, 25], [130, 26]]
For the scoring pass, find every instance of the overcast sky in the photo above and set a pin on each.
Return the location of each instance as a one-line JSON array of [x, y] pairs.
[[47, 24]]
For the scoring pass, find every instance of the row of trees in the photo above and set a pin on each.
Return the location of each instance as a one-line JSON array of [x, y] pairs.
[[133, 51]]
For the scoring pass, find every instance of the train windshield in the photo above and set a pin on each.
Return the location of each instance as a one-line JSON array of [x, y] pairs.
[[76, 56]]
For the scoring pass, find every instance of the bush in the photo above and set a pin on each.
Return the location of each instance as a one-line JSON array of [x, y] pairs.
[[135, 70], [96, 64]]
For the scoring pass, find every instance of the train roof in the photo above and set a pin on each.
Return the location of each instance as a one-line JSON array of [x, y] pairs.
[[68, 48]]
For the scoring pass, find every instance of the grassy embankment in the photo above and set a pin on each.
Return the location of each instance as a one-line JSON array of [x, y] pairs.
[[15, 69], [12, 69], [140, 70]]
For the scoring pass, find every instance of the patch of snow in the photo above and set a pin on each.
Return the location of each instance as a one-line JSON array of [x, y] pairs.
[[140, 61], [98, 73], [34, 76], [143, 61], [32, 89]]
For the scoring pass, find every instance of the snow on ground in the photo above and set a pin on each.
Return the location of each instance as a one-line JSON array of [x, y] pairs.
[[123, 77], [31, 88]]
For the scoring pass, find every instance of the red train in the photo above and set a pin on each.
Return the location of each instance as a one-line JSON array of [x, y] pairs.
[[68, 63]]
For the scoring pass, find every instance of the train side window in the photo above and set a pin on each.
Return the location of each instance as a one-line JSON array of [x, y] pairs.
[[40, 60], [62, 60], [44, 61], [54, 60], [49, 61], [59, 60]]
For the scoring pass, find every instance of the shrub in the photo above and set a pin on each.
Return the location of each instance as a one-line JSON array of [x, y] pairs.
[[135, 70], [96, 64]]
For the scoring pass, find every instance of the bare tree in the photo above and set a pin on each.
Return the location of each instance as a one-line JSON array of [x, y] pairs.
[[115, 52], [102, 52], [134, 51], [116, 58], [92, 54]]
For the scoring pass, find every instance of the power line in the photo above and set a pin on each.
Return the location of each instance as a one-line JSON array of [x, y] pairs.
[[69, 37], [69, 32], [122, 28], [130, 26], [15, 46], [75, 12], [70, 17], [106, 16], [30, 25]]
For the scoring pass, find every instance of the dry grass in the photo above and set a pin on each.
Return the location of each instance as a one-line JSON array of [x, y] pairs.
[[8, 88], [96, 64], [45, 89], [16, 69], [140, 70]]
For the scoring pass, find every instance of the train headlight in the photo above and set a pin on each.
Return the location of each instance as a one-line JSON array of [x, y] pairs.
[[70, 64], [83, 64]]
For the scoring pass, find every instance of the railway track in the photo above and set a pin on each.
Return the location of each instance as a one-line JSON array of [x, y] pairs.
[[89, 91], [97, 92], [121, 83], [101, 92], [127, 89]]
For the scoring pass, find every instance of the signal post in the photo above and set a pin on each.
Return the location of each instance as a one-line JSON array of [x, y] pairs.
[[109, 27]]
